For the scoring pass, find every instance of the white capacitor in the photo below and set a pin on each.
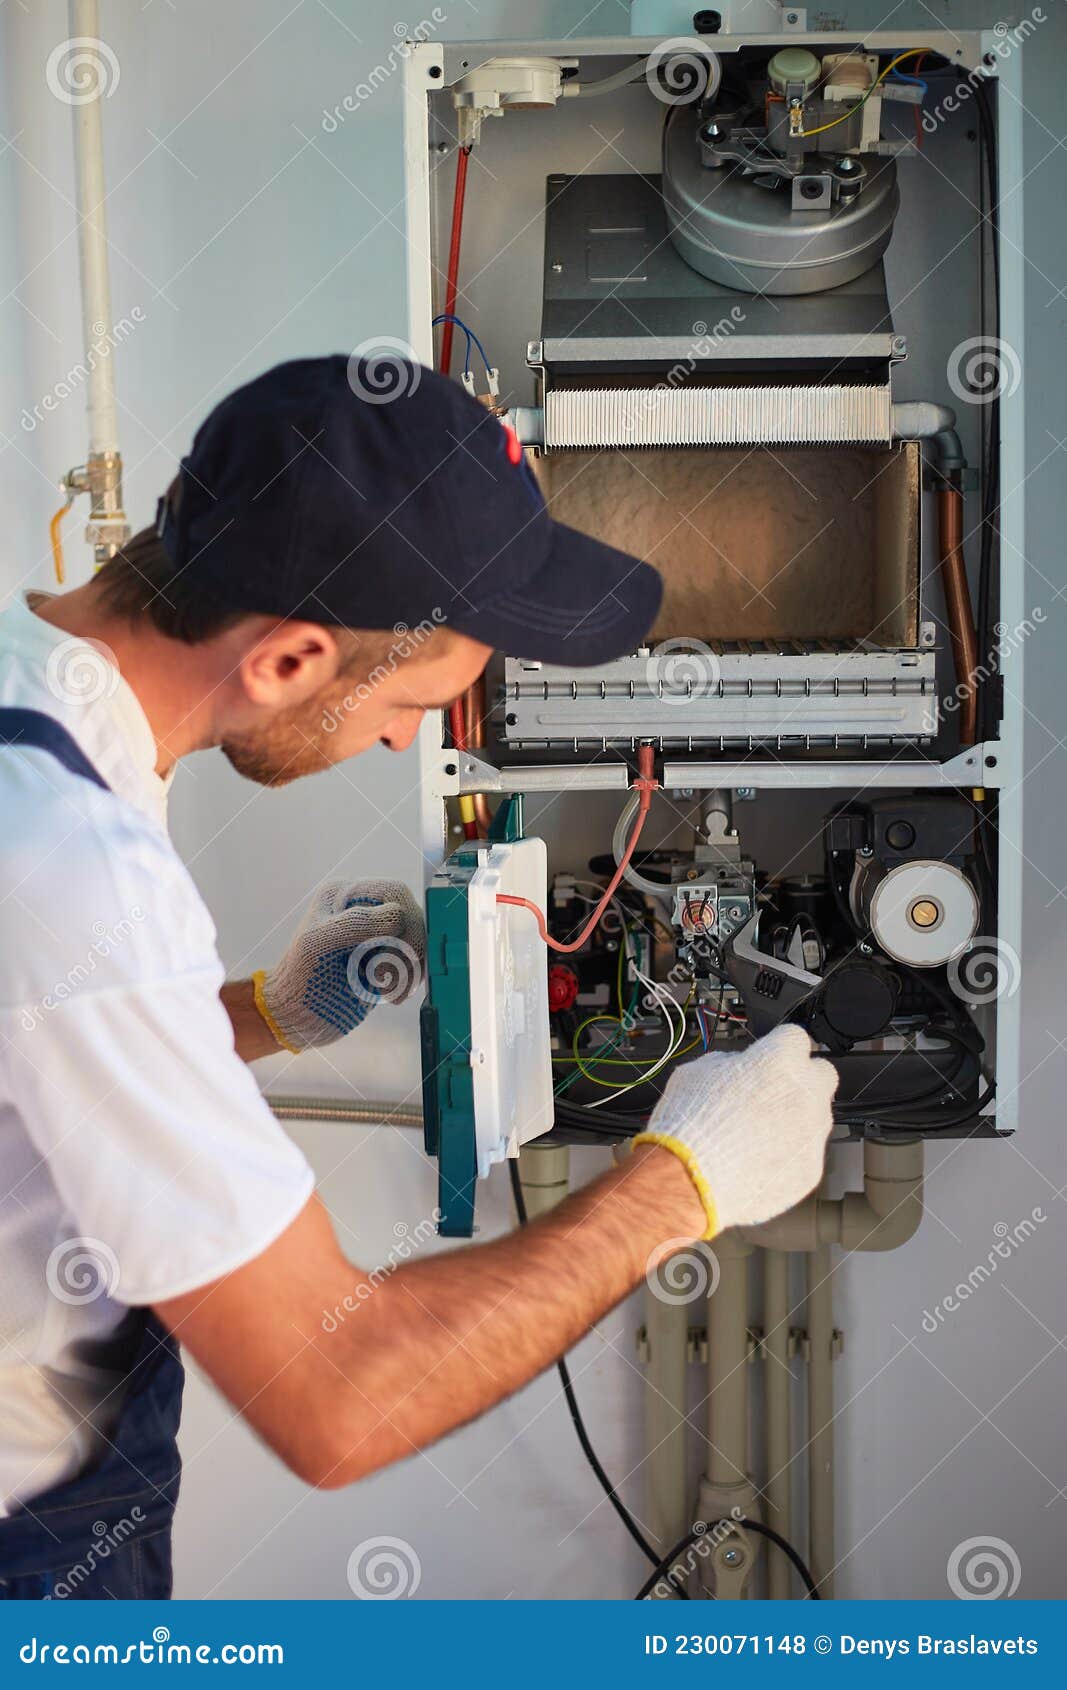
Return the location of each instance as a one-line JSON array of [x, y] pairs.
[[923, 913]]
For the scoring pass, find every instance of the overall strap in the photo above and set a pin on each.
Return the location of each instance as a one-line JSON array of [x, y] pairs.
[[32, 728]]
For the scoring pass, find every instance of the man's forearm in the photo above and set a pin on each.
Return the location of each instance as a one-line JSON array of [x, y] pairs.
[[251, 1036], [442, 1340]]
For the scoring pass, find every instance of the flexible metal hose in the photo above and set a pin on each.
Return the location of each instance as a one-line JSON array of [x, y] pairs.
[[340, 1109]]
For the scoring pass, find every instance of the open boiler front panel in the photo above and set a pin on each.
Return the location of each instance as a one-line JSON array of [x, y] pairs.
[[733, 297]]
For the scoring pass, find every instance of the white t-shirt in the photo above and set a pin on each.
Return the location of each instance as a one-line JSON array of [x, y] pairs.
[[137, 1157]]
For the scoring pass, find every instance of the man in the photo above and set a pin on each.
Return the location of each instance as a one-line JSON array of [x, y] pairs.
[[149, 1193]]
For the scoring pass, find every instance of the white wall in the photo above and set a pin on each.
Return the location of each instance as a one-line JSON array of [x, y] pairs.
[[246, 234]]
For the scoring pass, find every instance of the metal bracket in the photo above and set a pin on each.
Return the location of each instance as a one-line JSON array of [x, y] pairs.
[[978, 765], [464, 772], [696, 1344], [968, 480]]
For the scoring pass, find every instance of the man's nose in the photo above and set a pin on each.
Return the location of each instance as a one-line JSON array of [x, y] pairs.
[[400, 733]]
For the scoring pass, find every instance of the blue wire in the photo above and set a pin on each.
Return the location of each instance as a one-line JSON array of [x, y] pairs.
[[447, 317], [916, 80], [703, 1026]]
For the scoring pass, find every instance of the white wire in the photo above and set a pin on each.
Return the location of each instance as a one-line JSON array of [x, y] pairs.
[[667, 1005]]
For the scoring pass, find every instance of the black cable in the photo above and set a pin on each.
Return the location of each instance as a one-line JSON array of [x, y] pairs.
[[988, 179], [701, 1530], [937, 1123], [598, 1121], [889, 1107], [576, 1414]]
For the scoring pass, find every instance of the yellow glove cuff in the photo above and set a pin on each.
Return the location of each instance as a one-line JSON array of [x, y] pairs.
[[692, 1168], [261, 1005]]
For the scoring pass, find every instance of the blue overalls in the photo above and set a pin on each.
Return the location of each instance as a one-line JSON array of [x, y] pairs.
[[107, 1532]]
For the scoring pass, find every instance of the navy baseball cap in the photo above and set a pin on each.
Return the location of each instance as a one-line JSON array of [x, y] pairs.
[[370, 492]]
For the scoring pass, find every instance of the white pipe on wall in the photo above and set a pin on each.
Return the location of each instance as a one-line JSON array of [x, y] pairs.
[[884, 1215], [666, 1426], [777, 1405], [726, 1490], [92, 238], [820, 1321]]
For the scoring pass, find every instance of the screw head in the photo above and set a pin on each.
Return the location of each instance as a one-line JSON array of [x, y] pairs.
[[733, 1557]]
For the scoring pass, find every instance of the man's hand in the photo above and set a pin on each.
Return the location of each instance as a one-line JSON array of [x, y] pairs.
[[343, 1372], [361, 943], [751, 1129]]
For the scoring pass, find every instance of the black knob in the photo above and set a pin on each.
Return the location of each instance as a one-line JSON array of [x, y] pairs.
[[900, 835], [707, 23]]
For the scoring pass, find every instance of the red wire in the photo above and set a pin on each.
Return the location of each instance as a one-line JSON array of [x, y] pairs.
[[444, 363], [458, 727], [918, 109], [645, 786]]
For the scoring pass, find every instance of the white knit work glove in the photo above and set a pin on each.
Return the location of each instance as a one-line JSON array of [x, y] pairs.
[[751, 1129], [361, 943]]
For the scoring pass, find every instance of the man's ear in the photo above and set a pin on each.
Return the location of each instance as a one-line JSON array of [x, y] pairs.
[[287, 663]]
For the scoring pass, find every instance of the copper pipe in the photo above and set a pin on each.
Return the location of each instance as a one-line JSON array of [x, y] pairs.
[[474, 702], [958, 607]]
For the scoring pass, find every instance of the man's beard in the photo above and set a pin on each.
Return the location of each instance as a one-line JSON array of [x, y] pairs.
[[281, 752]]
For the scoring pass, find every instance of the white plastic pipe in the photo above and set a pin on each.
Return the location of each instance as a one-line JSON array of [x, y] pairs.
[[777, 1404], [666, 1427], [92, 240], [726, 1489], [821, 1421], [883, 1216]]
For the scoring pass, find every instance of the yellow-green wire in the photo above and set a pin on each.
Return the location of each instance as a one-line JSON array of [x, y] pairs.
[[581, 1069], [912, 53], [637, 1062]]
